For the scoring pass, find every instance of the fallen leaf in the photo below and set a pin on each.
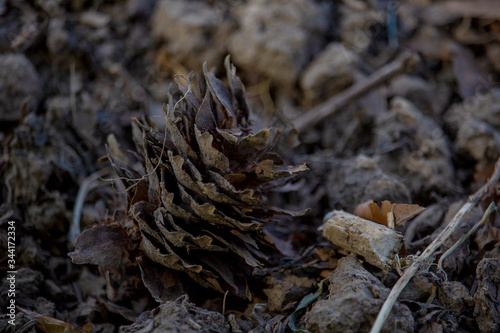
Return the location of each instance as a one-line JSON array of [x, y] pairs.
[[404, 212], [388, 214], [370, 211], [52, 325], [304, 303], [105, 245]]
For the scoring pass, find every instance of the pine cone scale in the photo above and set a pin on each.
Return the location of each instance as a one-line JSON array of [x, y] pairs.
[[204, 190]]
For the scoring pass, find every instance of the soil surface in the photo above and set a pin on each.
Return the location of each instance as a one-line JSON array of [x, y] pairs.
[[75, 73]]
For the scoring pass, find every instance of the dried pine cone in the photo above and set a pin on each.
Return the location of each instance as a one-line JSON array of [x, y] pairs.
[[200, 208]]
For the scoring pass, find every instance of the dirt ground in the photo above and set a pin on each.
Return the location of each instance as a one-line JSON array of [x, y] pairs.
[[75, 73]]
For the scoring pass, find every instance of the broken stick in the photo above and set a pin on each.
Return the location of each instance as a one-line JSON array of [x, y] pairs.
[[376, 243], [425, 257], [402, 64]]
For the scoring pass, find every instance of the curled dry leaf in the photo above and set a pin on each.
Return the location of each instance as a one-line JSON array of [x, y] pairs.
[[105, 245], [388, 214], [52, 325], [201, 205]]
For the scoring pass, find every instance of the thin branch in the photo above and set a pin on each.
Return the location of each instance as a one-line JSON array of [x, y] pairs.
[[72, 95], [402, 64], [425, 257], [491, 208]]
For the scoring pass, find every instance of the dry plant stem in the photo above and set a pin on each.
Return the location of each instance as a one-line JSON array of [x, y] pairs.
[[491, 208], [402, 64], [87, 185], [423, 259]]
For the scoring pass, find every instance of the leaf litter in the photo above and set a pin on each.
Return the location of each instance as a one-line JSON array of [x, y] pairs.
[[208, 199]]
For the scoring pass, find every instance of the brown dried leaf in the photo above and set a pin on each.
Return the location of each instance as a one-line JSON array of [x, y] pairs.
[[370, 211], [122, 169], [363, 210], [377, 214], [399, 213], [52, 325], [105, 245], [404, 212], [207, 280]]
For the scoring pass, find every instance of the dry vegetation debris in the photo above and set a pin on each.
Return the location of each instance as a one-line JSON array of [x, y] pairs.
[[392, 101]]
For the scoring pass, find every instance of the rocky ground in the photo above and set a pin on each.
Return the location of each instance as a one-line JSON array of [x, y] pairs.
[[74, 73]]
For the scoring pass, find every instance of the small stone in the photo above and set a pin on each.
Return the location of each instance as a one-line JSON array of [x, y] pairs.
[[278, 38], [362, 173], [178, 316], [414, 147], [354, 300]]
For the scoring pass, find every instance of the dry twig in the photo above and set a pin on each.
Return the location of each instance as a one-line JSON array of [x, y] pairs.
[[86, 186], [402, 64], [424, 258], [491, 208]]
